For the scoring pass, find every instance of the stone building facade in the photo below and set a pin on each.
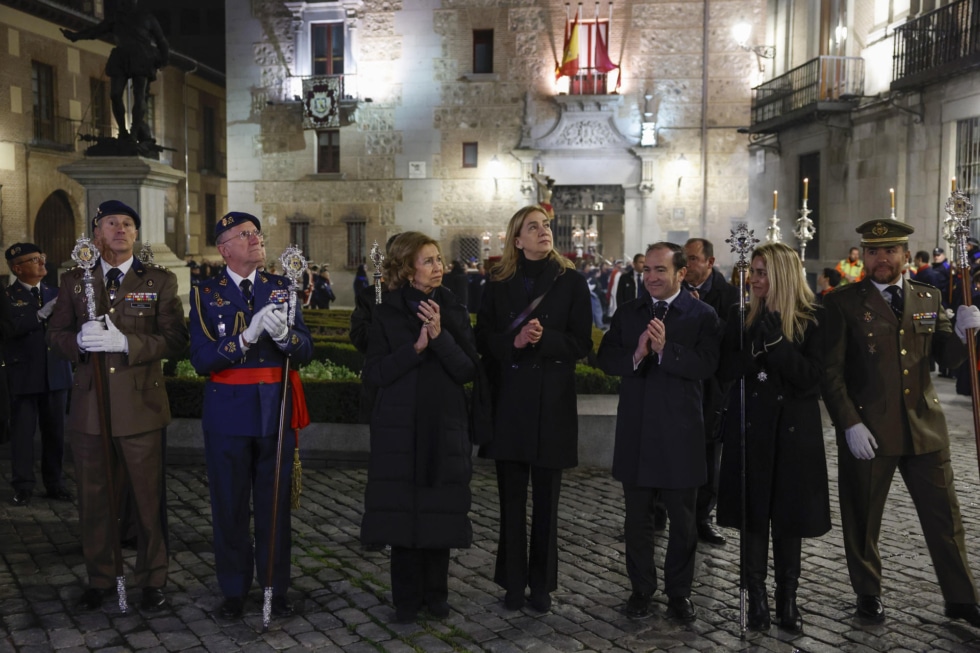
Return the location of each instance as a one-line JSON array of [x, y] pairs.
[[896, 106], [53, 91], [427, 136]]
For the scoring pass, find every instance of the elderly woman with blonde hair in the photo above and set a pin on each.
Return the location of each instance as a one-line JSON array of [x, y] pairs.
[[421, 351]]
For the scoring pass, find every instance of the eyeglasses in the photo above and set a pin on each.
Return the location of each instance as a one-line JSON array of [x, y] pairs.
[[40, 258], [245, 236]]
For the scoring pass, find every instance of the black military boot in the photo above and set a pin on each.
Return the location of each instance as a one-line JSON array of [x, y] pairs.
[[786, 558], [756, 556]]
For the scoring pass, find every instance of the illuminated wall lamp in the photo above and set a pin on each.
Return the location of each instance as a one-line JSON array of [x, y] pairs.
[[741, 32]]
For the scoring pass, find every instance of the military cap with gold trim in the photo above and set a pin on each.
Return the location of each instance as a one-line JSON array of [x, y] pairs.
[[884, 233], [233, 219], [115, 207], [20, 249]]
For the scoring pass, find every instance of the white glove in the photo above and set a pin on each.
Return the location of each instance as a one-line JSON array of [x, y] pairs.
[[860, 441], [110, 340], [88, 328], [275, 324], [45, 311], [255, 329], [967, 317]]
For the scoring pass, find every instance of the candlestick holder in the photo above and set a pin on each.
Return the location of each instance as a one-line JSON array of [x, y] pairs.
[[804, 229], [773, 233]]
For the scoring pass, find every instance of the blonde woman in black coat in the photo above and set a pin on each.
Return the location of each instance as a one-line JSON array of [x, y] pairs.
[[786, 469], [534, 323], [421, 351]]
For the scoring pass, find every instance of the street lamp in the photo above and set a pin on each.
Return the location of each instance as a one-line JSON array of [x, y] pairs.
[[485, 239], [578, 241], [741, 32], [496, 170]]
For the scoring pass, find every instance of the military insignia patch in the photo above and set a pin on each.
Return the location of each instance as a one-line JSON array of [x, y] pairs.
[[762, 376], [149, 282], [867, 316], [294, 340], [231, 347], [78, 289], [223, 282], [879, 230]]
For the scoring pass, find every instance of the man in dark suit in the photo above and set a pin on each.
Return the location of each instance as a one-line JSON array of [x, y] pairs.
[[879, 393], [709, 285], [240, 337], [630, 284], [140, 322], [38, 380], [664, 346]]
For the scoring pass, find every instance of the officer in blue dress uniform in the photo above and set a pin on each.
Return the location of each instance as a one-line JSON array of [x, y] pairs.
[[240, 337], [38, 379]]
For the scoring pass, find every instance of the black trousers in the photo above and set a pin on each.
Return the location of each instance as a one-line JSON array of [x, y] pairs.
[[708, 493], [419, 576], [28, 412], [517, 567], [682, 541]]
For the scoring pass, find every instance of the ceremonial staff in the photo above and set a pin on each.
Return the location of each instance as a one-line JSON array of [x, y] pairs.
[[742, 242], [86, 256], [959, 208], [804, 225], [377, 258], [292, 264]]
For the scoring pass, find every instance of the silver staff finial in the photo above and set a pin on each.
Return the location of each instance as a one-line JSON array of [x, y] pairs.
[[86, 255], [377, 258], [292, 263]]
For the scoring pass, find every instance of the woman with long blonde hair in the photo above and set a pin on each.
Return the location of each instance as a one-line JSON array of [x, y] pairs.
[[781, 358], [534, 323]]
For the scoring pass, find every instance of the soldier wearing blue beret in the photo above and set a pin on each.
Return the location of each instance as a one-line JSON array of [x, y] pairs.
[[240, 337]]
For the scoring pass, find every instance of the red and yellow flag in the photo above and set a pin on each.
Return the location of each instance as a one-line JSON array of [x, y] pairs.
[[569, 59]]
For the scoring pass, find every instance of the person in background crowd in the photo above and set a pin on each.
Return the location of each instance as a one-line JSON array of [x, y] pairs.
[[322, 290], [421, 351], [38, 379], [457, 282], [533, 325], [141, 322], [613, 284], [477, 279], [879, 393], [851, 269], [705, 282], [240, 336], [827, 280], [631, 282], [781, 360], [360, 280], [664, 346]]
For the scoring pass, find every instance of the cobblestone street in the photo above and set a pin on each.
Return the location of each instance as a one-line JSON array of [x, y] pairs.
[[344, 598]]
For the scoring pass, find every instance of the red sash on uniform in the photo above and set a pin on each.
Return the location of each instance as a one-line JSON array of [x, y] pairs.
[[253, 375]]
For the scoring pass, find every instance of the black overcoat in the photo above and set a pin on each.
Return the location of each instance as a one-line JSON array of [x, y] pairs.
[[659, 425], [786, 468], [533, 389], [404, 506]]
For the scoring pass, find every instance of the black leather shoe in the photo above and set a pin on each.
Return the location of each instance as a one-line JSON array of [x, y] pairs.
[[91, 599], [232, 608], [438, 610], [638, 606], [281, 607], [969, 612], [514, 600], [153, 599], [540, 601], [681, 608], [708, 533], [22, 497], [60, 494], [869, 607]]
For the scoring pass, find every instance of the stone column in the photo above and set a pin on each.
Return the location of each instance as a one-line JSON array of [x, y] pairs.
[[143, 185]]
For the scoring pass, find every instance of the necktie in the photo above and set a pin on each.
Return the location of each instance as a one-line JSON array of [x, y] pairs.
[[639, 283], [37, 295], [246, 288], [896, 301], [112, 282], [660, 310]]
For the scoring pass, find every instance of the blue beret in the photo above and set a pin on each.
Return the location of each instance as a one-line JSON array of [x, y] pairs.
[[19, 249], [233, 219], [115, 207]]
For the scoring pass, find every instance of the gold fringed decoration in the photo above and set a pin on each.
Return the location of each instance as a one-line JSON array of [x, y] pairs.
[[297, 485]]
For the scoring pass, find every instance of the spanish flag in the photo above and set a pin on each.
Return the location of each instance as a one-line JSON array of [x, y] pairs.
[[569, 59]]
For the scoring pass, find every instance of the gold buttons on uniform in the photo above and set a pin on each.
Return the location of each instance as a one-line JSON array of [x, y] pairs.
[[904, 352], [907, 391], [112, 310], [112, 370], [905, 372], [901, 332]]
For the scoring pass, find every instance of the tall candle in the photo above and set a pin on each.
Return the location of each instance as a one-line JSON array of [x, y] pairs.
[[892, 192], [954, 184], [806, 188], [775, 196]]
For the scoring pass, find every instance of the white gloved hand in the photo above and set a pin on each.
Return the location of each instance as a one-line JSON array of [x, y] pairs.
[[860, 441], [275, 324], [88, 328], [967, 317], [110, 340], [45, 311], [255, 329]]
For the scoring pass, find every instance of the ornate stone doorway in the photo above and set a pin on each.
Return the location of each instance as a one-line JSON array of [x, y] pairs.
[[595, 210], [54, 232]]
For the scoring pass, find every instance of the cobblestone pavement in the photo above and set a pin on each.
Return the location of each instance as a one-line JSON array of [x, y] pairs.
[[345, 601]]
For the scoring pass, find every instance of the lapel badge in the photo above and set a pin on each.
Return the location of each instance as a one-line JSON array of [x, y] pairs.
[[867, 316], [78, 289], [762, 376], [871, 348], [149, 282], [223, 282], [206, 290], [221, 328], [295, 339]]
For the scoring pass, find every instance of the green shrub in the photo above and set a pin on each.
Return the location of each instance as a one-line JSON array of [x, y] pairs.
[[593, 381]]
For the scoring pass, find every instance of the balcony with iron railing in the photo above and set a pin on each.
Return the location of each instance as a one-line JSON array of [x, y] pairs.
[[820, 86], [64, 133], [937, 45]]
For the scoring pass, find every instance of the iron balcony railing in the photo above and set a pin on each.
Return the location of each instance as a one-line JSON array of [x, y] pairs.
[[65, 133], [821, 85], [936, 45]]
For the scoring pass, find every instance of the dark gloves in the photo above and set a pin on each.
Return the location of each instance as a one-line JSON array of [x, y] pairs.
[[768, 333]]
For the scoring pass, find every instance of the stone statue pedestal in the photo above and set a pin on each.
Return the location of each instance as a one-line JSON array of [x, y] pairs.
[[142, 184]]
